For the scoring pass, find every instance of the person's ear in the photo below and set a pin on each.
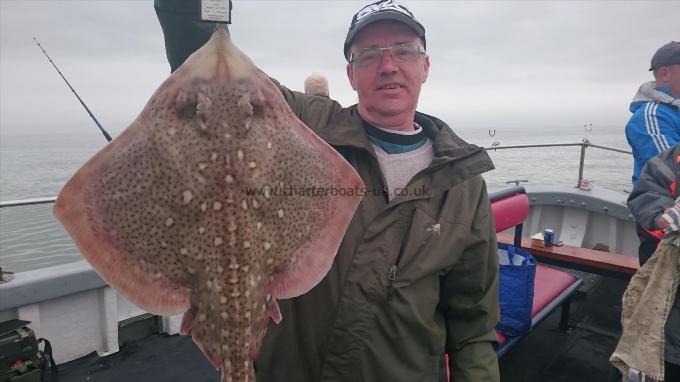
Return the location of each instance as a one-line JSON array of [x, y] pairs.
[[350, 76], [426, 68]]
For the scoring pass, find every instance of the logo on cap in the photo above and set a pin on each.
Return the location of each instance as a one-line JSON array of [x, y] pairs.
[[382, 6]]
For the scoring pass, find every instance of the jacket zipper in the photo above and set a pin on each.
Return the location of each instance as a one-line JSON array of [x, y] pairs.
[[392, 275], [394, 269]]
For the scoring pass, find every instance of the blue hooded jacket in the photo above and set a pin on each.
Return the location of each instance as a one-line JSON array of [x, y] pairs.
[[654, 126]]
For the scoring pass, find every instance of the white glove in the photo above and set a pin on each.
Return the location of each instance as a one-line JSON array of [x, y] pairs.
[[670, 220]]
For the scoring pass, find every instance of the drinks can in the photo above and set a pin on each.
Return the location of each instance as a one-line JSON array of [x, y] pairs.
[[548, 237]]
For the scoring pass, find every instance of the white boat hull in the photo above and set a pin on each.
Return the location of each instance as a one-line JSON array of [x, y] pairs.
[[595, 219]]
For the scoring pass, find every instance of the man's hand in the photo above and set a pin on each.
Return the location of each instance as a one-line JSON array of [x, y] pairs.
[[670, 219]]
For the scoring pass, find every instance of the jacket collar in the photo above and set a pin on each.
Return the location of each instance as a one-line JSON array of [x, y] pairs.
[[350, 132], [649, 92], [462, 159]]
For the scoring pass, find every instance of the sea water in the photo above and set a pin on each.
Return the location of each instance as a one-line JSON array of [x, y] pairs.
[[36, 166]]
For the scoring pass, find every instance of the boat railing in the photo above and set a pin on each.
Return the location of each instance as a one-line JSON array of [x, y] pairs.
[[584, 145], [6, 275], [28, 202]]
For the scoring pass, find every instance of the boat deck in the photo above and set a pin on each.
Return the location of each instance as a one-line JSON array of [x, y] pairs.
[[548, 354]]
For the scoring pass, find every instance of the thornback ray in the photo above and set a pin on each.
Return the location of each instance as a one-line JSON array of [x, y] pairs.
[[215, 202]]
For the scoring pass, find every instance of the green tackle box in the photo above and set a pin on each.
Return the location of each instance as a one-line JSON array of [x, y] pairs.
[[18, 352]]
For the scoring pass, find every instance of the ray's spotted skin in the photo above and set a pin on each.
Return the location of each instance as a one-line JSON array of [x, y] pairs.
[[179, 214]]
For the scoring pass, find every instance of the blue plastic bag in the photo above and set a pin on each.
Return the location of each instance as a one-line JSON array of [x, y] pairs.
[[517, 274]]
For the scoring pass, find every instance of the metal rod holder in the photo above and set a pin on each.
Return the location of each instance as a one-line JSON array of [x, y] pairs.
[[582, 161]]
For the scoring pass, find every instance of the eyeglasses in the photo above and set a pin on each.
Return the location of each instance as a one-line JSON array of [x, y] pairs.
[[401, 53]]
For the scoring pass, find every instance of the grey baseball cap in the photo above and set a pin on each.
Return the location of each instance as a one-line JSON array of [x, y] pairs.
[[382, 10], [667, 55]]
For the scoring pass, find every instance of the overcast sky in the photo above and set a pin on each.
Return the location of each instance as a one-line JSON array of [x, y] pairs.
[[538, 64]]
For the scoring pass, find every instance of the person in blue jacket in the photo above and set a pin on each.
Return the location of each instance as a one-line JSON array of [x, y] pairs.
[[655, 124]]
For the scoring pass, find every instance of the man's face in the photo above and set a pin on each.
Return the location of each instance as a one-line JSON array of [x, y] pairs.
[[388, 90], [674, 79], [670, 76]]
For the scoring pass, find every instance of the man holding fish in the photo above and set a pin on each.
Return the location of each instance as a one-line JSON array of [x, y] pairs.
[[416, 275]]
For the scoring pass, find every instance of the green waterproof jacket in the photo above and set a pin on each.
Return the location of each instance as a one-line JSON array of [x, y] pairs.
[[414, 278]]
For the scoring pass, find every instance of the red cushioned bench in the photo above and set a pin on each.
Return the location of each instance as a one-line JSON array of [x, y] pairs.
[[552, 287]]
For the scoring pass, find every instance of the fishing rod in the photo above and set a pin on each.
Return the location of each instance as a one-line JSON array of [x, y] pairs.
[[106, 134]]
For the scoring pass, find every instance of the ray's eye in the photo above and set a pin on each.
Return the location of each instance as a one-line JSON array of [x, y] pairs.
[[258, 102], [203, 106], [186, 103]]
